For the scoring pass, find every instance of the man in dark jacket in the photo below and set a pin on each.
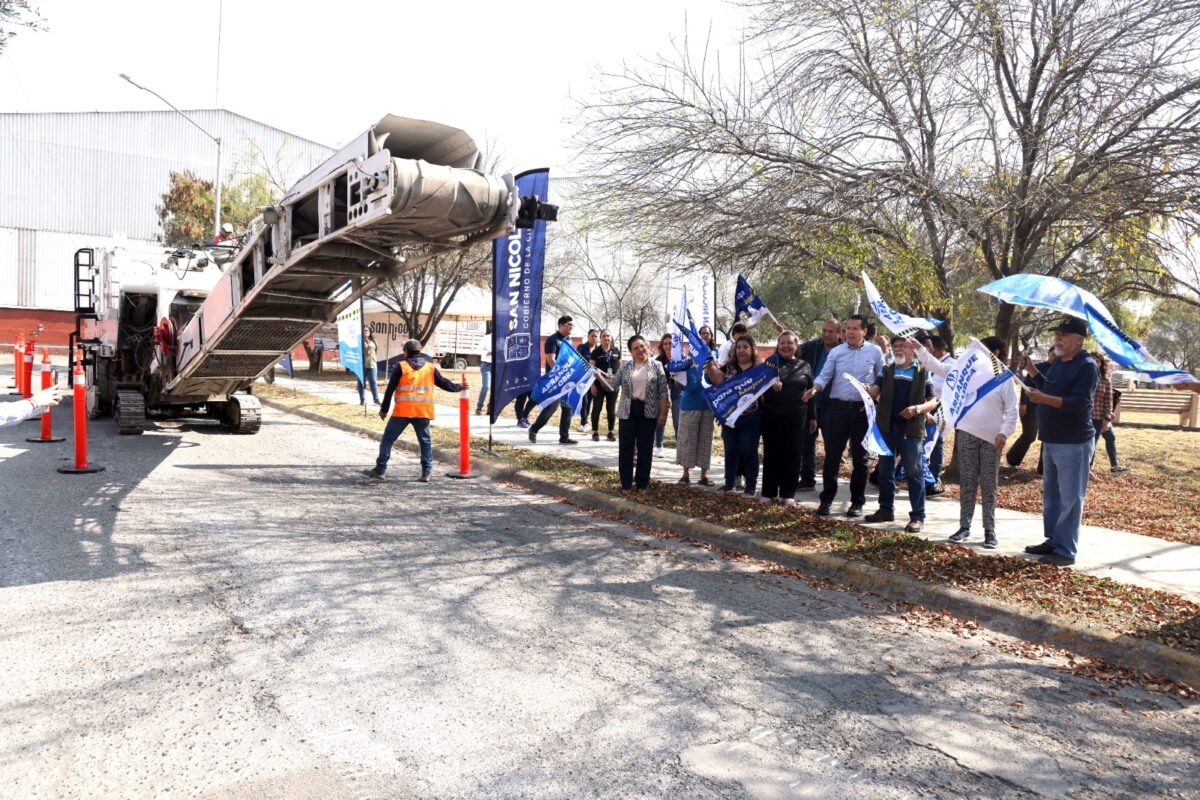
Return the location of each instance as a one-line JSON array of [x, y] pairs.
[[814, 352], [1063, 392], [412, 384]]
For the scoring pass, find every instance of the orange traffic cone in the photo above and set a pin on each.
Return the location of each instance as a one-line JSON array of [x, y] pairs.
[[80, 401], [48, 378]]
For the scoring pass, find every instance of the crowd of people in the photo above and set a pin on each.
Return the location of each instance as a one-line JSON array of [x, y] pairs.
[[1067, 401]]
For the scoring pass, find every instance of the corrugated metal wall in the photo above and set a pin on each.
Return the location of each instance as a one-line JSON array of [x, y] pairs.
[[71, 180]]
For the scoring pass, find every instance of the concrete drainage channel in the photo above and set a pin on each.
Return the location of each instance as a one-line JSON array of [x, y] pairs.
[[1036, 627]]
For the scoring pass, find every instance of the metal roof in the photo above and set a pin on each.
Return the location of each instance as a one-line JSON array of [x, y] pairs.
[[104, 172]]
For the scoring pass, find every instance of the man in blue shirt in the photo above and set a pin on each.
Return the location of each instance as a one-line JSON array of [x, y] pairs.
[[549, 354], [1063, 393], [845, 415], [905, 400]]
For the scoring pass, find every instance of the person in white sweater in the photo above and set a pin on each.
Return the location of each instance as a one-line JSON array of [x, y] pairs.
[[18, 410], [979, 444]]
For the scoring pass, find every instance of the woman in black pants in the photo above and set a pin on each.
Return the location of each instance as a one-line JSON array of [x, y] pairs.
[[607, 359], [784, 417], [644, 403]]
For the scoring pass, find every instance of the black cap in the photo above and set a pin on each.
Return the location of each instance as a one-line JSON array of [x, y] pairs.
[[1072, 325]]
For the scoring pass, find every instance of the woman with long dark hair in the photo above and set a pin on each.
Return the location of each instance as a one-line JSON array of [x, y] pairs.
[[607, 359], [784, 418], [740, 439]]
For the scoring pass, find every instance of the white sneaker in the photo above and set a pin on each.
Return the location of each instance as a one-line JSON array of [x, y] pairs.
[[658, 452], [585, 427]]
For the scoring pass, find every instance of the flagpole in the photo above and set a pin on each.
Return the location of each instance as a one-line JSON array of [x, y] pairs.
[[492, 367], [362, 350]]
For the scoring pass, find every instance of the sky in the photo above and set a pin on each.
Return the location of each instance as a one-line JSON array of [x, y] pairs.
[[327, 70]]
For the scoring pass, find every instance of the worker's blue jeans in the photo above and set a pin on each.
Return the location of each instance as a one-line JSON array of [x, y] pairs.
[[395, 427]]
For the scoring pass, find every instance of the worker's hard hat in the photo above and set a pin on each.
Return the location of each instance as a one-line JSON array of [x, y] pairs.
[[412, 347]]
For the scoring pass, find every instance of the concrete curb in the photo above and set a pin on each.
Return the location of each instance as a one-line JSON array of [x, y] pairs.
[[1043, 628]]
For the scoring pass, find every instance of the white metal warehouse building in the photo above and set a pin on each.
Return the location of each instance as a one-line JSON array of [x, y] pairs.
[[94, 179]]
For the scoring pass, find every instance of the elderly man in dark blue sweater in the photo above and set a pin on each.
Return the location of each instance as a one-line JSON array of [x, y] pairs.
[[1063, 393]]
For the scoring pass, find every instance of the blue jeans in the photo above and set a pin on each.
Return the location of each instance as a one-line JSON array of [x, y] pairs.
[[909, 450], [741, 445], [637, 432], [371, 381], [395, 427], [1064, 485], [485, 383]]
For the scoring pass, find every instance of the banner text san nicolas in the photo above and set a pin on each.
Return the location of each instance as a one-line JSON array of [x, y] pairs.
[[517, 300]]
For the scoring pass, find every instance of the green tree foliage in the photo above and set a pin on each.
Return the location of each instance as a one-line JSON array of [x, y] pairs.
[[186, 213], [1174, 335]]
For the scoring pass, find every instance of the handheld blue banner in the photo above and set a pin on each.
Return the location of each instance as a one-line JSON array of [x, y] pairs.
[[701, 352], [570, 377], [730, 399], [517, 300], [748, 307]]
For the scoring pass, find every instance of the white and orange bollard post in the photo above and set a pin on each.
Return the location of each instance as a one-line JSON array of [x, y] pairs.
[[18, 365], [47, 436], [464, 432], [27, 371], [79, 385]]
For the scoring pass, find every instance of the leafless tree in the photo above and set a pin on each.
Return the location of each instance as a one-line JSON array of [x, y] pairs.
[[16, 14], [605, 284], [421, 296], [916, 139]]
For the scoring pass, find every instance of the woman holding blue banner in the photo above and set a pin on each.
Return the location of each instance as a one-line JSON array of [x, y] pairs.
[[741, 438], [643, 401]]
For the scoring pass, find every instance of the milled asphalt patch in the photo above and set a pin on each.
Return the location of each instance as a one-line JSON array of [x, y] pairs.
[[1084, 638]]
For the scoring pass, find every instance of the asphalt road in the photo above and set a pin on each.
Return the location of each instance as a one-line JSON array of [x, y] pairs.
[[226, 617]]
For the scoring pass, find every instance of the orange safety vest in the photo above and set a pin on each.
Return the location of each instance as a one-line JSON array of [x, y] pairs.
[[414, 392]]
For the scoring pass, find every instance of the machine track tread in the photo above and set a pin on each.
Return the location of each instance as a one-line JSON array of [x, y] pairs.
[[129, 411], [243, 414]]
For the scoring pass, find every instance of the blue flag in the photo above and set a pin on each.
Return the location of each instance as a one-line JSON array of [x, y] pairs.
[[748, 307], [701, 353], [286, 362], [1044, 291], [730, 398], [570, 377], [517, 262]]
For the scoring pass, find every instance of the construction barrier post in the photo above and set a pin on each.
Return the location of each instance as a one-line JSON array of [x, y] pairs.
[[80, 402], [464, 432], [18, 357], [47, 436], [27, 374]]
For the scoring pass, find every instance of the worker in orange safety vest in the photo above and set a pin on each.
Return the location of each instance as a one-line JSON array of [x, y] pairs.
[[412, 384]]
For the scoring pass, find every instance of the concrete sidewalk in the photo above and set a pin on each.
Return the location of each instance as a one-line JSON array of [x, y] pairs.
[[1120, 555]]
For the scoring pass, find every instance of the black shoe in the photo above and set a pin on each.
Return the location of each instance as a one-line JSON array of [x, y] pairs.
[[806, 486], [1057, 560], [370, 473], [595, 437], [823, 510], [424, 477], [854, 511], [532, 437], [915, 526], [612, 437], [705, 482], [726, 489], [880, 516], [960, 535], [684, 480], [567, 441], [989, 540], [935, 490], [1043, 549]]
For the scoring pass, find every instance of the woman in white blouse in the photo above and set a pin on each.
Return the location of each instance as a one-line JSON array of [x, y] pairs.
[[643, 400]]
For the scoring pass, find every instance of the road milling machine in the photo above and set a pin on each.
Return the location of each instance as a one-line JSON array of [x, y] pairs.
[[186, 331]]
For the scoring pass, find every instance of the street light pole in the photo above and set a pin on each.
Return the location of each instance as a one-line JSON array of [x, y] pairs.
[[216, 139]]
